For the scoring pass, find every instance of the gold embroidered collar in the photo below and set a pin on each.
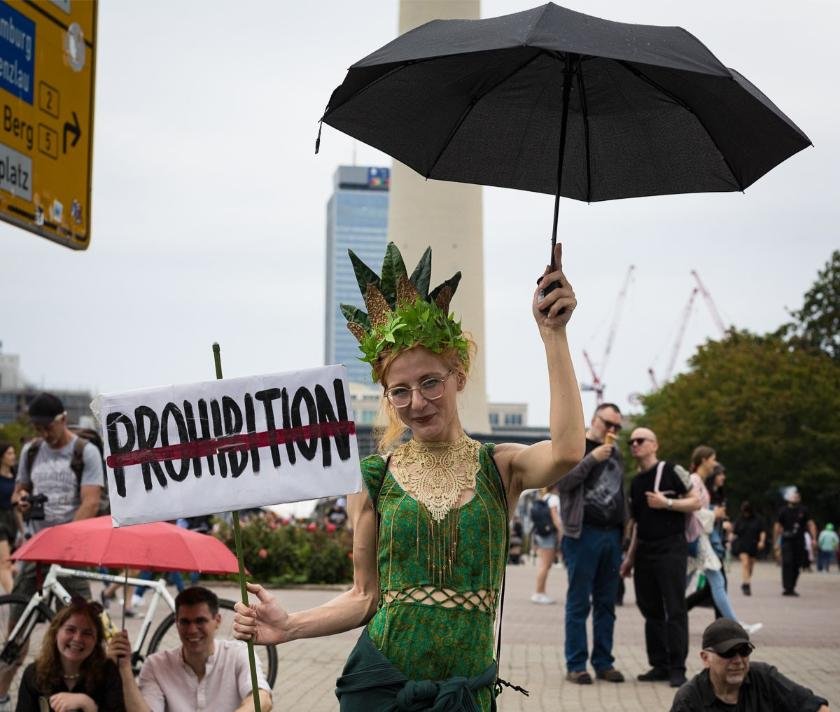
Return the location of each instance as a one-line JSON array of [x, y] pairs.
[[436, 474]]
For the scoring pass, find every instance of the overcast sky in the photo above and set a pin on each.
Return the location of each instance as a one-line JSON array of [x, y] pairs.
[[209, 205]]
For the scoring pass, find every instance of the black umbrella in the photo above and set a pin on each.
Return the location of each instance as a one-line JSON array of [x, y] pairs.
[[554, 101]]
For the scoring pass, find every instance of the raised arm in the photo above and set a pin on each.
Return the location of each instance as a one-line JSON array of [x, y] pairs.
[[545, 463], [266, 622]]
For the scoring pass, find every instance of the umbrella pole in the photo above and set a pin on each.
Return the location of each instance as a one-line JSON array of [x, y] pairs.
[[568, 72], [237, 536]]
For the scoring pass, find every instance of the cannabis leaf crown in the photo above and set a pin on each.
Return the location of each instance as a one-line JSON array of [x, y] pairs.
[[401, 312]]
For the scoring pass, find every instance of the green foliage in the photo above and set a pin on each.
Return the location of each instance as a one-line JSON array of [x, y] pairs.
[[17, 432], [422, 274], [287, 554], [420, 323], [766, 408], [817, 324]]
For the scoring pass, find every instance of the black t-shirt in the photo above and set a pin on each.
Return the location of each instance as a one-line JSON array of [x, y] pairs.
[[748, 532], [603, 491], [793, 521], [722, 706], [652, 524]]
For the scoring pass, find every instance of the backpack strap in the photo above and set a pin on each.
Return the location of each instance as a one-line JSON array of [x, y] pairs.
[[31, 454], [77, 461]]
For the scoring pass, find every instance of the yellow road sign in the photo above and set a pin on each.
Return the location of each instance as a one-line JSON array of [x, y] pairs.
[[47, 72]]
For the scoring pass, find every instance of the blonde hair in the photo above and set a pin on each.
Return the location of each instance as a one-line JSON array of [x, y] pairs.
[[390, 429]]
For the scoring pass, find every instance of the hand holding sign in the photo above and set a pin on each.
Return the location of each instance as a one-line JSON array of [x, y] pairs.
[[265, 622]]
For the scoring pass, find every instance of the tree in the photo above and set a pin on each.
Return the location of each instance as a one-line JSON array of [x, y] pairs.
[[767, 409], [817, 324], [16, 433]]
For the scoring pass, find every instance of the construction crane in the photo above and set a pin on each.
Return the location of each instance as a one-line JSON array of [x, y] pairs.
[[675, 349], [597, 384], [709, 303]]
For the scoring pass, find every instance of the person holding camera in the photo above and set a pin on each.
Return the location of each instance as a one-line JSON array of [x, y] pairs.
[[59, 480]]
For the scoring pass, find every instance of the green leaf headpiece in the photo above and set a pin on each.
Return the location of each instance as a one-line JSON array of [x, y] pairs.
[[401, 312]]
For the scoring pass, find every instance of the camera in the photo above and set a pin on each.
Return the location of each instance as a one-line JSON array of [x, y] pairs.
[[36, 506]]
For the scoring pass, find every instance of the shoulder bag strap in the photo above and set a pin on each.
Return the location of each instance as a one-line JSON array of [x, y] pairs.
[[658, 479]]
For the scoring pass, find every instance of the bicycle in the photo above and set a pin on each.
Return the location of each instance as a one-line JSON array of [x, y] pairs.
[[43, 604]]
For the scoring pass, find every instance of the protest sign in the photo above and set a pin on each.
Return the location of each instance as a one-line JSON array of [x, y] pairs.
[[187, 450]]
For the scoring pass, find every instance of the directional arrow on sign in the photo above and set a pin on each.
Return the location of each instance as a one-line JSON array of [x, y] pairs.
[[74, 129]]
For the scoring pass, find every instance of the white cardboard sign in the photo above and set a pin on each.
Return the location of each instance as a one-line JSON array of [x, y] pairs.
[[216, 446]]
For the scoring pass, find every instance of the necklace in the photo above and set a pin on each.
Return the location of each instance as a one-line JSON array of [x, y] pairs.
[[436, 474], [72, 677]]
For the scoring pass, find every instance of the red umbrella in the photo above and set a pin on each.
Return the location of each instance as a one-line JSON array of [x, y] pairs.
[[157, 546]]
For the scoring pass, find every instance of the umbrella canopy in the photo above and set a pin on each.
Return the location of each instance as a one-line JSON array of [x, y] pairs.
[[158, 546], [555, 101]]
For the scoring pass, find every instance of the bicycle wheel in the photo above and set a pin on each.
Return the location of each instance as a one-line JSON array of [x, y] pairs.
[[11, 651], [166, 637]]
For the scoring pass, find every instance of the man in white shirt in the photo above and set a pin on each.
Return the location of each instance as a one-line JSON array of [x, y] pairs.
[[202, 674]]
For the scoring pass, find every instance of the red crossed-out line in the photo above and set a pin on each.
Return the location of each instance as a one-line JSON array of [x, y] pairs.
[[235, 443]]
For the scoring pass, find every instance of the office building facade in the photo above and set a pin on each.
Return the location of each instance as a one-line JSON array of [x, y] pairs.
[[357, 219]]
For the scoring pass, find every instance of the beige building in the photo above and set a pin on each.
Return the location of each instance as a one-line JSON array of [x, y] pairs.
[[448, 218]]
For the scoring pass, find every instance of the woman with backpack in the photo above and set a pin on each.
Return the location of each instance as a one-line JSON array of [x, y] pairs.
[[704, 558], [545, 533]]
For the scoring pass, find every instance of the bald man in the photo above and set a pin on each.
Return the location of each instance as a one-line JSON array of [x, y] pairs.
[[657, 557]]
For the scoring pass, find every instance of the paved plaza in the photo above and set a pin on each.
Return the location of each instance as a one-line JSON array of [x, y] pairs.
[[800, 636]]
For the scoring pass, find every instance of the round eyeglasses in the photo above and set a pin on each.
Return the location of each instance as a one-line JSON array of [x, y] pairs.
[[430, 388]]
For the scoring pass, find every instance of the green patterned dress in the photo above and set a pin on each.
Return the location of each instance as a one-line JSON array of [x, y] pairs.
[[439, 582]]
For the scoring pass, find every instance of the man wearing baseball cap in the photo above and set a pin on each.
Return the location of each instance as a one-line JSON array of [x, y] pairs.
[[732, 683], [68, 471]]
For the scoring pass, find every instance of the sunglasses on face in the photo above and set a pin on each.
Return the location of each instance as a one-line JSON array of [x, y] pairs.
[[638, 441], [743, 651], [609, 425]]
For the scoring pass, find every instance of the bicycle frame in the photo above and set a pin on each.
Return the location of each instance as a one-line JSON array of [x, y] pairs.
[[52, 588]]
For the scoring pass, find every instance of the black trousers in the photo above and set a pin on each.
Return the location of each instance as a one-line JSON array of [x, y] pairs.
[[659, 580], [793, 556]]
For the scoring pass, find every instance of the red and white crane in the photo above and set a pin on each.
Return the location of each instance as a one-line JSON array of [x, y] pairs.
[[675, 349], [597, 385]]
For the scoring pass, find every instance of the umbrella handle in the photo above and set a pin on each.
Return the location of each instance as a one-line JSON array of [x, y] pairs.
[[568, 74]]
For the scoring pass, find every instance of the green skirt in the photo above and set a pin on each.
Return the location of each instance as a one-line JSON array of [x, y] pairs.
[[371, 683]]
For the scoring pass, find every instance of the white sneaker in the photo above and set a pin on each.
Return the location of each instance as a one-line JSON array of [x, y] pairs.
[[136, 601], [542, 599], [752, 627]]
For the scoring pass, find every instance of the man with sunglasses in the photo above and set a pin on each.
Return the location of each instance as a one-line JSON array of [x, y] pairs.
[[659, 499], [593, 514], [202, 675], [730, 682]]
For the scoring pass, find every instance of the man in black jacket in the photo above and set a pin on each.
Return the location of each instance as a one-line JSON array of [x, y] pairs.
[[593, 513], [731, 682]]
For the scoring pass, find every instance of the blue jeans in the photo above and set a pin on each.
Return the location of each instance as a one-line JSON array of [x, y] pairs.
[[172, 577], [592, 563], [717, 586], [825, 559]]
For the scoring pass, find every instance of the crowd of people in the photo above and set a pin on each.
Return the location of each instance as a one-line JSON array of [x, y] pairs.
[[671, 525], [431, 540]]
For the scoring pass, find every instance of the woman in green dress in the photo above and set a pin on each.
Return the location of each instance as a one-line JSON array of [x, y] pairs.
[[431, 524]]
